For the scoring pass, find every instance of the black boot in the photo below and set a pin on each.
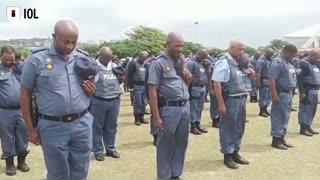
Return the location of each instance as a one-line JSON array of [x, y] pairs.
[[285, 143], [22, 166], [262, 112], [238, 159], [155, 137], [304, 131], [253, 99], [194, 130], [215, 122], [266, 110], [136, 120], [312, 131], [276, 143], [10, 168], [228, 161], [201, 129], [141, 119]]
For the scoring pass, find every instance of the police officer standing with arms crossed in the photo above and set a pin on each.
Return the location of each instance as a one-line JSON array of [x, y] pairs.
[[136, 81], [308, 83], [262, 69], [105, 106], [65, 125], [168, 90], [13, 134], [231, 86], [282, 79], [197, 91]]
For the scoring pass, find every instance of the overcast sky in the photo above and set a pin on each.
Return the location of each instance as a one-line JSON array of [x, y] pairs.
[[254, 21]]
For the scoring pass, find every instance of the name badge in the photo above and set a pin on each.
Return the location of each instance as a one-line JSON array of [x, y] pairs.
[[142, 69], [202, 70]]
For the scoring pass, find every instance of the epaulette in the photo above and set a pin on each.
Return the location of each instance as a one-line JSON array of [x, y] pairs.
[[82, 52], [161, 56], [38, 50]]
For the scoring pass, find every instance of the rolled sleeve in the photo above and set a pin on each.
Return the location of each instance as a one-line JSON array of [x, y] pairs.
[[221, 71], [274, 70], [28, 78], [154, 74]]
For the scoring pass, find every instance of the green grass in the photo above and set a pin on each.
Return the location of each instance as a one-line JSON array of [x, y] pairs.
[[204, 160]]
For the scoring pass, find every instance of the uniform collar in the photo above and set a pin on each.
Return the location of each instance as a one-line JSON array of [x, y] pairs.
[[53, 51], [109, 67], [231, 58]]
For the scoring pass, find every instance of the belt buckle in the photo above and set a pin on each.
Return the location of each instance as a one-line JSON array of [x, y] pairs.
[[182, 103], [68, 118]]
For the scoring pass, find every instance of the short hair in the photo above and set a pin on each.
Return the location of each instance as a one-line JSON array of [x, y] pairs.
[[18, 55], [290, 48], [7, 50]]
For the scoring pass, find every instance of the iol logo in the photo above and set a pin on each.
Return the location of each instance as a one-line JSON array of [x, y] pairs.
[[14, 13]]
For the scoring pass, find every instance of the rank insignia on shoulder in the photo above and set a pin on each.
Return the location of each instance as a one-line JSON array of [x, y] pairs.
[[167, 68]]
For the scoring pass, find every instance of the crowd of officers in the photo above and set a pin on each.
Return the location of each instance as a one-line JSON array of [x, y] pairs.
[[69, 104]]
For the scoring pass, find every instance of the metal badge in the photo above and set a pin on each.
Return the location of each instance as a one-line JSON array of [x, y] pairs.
[[2, 73], [49, 64], [168, 68]]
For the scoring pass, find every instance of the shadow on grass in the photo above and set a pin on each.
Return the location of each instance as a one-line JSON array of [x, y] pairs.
[[256, 148], [204, 165], [136, 145], [292, 134]]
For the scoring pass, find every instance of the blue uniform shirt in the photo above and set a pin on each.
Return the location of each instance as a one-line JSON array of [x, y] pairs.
[[9, 88], [221, 70], [58, 91], [163, 74]]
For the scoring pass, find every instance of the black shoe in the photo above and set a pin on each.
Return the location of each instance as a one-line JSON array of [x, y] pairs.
[[285, 143], [201, 129], [113, 154], [276, 143], [312, 131], [215, 122], [155, 137], [304, 131], [194, 130], [266, 110], [146, 113], [136, 120], [206, 101], [228, 161], [10, 168], [22, 166], [238, 159], [142, 120], [99, 157], [293, 109], [263, 113]]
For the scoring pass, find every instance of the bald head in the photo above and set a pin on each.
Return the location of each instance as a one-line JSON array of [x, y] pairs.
[[202, 54], [105, 55], [236, 48], [175, 44], [65, 37], [268, 53], [314, 56]]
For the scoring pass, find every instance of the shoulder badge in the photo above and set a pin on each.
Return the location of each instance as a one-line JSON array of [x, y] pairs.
[[82, 52], [39, 50]]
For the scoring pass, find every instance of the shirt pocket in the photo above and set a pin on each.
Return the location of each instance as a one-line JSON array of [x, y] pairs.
[[53, 80], [4, 77]]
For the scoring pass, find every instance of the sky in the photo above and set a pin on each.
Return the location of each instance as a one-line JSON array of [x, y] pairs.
[[255, 22]]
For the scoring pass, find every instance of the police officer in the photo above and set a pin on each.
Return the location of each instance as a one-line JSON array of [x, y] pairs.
[[168, 90], [262, 69], [253, 93], [65, 125], [136, 81], [197, 90], [105, 106], [231, 86], [308, 83], [153, 128], [282, 79], [214, 113], [13, 134]]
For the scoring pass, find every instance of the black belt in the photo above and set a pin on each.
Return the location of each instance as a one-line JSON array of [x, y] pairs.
[[66, 118], [139, 83], [173, 103], [10, 107], [104, 99]]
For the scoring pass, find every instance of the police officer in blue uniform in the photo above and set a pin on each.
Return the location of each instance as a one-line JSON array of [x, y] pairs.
[[153, 128], [262, 69], [65, 125], [231, 86], [136, 81], [105, 106], [282, 79], [197, 90], [214, 113], [13, 134], [168, 90], [253, 93], [308, 83]]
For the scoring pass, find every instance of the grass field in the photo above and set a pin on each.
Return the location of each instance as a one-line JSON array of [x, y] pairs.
[[204, 160]]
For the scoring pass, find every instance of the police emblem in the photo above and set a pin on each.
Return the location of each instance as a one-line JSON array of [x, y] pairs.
[[90, 77], [49, 64], [168, 68]]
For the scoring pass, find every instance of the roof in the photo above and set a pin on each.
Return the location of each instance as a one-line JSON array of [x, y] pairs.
[[306, 32]]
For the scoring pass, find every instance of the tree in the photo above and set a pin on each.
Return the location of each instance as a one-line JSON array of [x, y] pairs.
[[93, 50], [190, 47], [215, 51], [23, 51], [277, 44], [250, 51]]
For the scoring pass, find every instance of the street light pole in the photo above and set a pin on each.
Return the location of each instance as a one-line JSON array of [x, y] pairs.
[[196, 23]]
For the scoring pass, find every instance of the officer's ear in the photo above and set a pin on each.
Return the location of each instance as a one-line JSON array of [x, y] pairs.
[[54, 36]]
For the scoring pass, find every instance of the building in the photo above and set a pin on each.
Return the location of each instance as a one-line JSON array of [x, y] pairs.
[[305, 39]]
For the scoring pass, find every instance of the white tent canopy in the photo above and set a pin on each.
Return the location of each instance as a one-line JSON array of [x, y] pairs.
[[308, 37]]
